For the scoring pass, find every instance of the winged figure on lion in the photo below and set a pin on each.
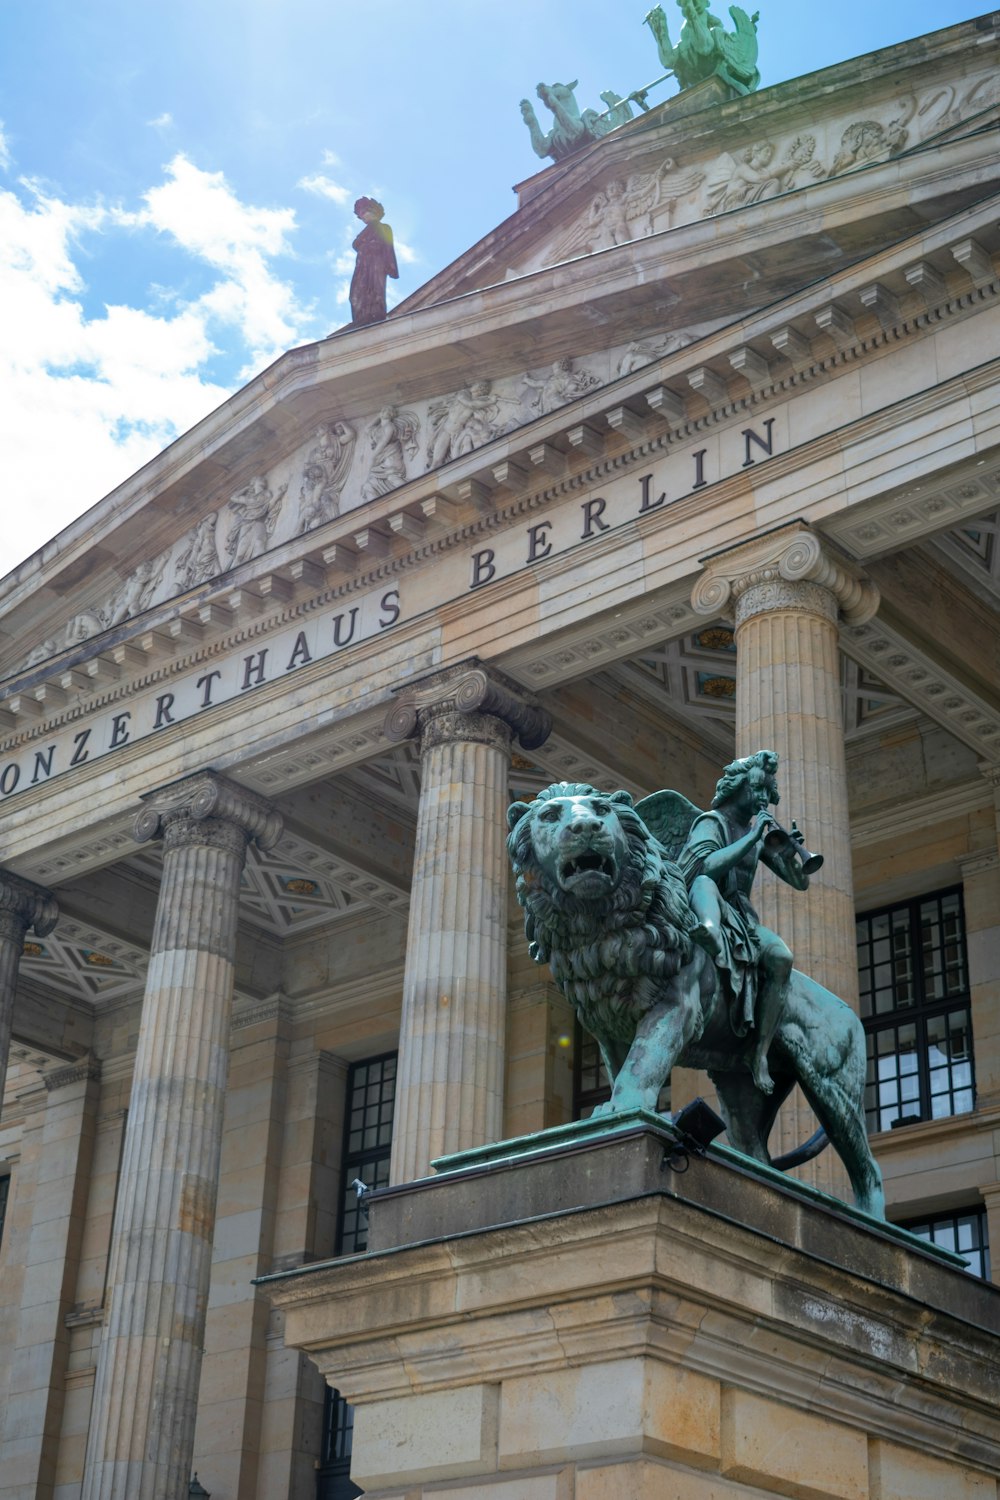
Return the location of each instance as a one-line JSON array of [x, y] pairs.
[[643, 914]]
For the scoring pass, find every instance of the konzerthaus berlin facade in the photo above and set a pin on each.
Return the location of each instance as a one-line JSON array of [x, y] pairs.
[[697, 452]]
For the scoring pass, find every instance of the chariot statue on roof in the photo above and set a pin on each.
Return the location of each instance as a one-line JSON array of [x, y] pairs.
[[704, 48]]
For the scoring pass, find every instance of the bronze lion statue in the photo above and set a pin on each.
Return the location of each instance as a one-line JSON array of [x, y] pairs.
[[608, 911]]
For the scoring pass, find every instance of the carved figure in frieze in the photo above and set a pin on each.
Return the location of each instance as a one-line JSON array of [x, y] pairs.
[[256, 508], [643, 352], [136, 593], [704, 48], [41, 652], [624, 208], [324, 474], [868, 140], [560, 386], [199, 557], [466, 420], [747, 179], [392, 438], [982, 94]]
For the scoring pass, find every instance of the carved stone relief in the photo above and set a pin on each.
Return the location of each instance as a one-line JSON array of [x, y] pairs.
[[198, 559], [254, 510], [344, 464], [558, 386], [324, 474], [391, 440], [466, 420], [648, 202]]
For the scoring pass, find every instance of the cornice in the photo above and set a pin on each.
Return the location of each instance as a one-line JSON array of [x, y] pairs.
[[310, 550], [883, 825]]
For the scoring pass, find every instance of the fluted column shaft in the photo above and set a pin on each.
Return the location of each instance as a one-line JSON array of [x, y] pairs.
[[788, 593], [788, 698], [23, 905], [449, 1086], [148, 1368]]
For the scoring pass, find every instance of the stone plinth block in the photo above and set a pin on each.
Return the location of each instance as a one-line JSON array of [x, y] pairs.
[[595, 1312]]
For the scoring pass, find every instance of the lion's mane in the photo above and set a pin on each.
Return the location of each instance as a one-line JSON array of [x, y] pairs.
[[609, 956]]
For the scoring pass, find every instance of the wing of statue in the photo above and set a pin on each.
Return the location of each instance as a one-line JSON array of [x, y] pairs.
[[680, 182], [739, 48], [642, 193], [668, 815]]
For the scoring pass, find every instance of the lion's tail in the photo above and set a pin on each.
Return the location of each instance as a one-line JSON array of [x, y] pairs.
[[810, 1148]]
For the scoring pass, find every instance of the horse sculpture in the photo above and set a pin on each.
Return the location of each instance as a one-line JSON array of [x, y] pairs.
[[572, 128]]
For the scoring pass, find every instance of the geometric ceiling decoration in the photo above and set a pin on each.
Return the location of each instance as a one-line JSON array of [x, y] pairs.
[[297, 886], [80, 961], [393, 777], [868, 703], [973, 551], [694, 677]]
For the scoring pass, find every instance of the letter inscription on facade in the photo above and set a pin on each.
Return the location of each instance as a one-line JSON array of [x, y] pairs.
[[241, 672]]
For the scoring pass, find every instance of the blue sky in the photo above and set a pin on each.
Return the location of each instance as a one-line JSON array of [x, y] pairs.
[[177, 182]]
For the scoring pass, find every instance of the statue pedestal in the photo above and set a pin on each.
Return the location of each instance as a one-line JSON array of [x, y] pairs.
[[594, 1313]]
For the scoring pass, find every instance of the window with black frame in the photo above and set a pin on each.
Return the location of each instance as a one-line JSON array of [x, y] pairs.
[[963, 1231], [915, 1006], [367, 1146]]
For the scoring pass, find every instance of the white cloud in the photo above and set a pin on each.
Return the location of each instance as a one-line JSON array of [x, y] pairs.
[[331, 159], [200, 211], [86, 399], [324, 187], [405, 254], [5, 156], [162, 122]]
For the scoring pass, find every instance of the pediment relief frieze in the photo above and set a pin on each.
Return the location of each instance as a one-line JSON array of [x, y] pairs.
[[342, 467], [345, 475], [633, 197]]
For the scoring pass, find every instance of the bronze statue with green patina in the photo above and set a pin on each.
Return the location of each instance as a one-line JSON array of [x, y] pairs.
[[705, 49], [658, 972]]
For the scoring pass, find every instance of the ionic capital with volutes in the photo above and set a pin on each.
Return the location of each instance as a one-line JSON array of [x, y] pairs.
[[24, 904], [207, 808], [791, 568], [468, 702]]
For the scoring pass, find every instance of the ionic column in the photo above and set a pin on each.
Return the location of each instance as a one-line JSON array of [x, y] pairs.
[[449, 1090], [148, 1367], [788, 594], [23, 905]]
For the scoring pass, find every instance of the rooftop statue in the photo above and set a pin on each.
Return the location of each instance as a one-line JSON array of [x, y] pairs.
[[571, 129], [376, 261], [704, 48], [643, 914]]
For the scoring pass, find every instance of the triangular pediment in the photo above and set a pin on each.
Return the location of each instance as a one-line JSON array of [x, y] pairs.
[[340, 462], [698, 156]]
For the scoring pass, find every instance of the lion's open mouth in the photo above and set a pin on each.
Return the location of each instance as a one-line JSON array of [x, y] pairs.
[[587, 864]]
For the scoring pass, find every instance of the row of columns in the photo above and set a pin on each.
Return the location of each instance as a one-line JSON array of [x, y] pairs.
[[787, 595]]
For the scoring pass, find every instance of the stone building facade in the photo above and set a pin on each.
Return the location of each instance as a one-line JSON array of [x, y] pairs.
[[697, 452]]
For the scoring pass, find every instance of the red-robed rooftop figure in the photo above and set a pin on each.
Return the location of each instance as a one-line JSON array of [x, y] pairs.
[[376, 260]]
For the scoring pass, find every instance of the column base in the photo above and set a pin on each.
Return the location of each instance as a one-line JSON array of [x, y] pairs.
[[590, 1312]]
